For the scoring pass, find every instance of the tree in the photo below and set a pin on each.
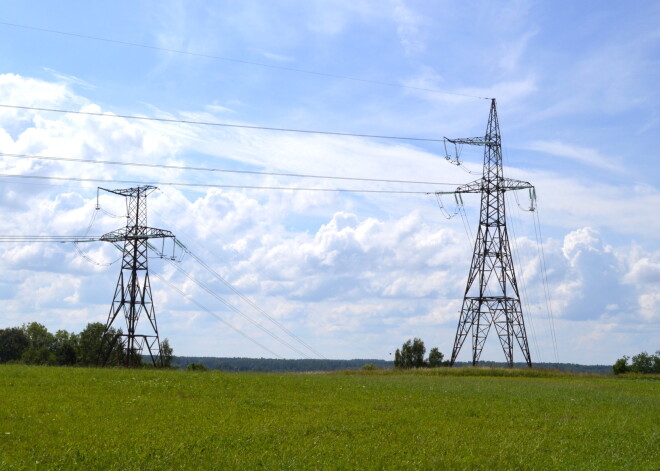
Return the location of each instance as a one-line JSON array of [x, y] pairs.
[[621, 366], [435, 357], [93, 347], [38, 335], [13, 342], [66, 348], [411, 354], [166, 354], [642, 363], [40, 345]]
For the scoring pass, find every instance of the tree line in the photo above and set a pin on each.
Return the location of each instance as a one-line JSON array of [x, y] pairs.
[[640, 363], [242, 364], [33, 344]]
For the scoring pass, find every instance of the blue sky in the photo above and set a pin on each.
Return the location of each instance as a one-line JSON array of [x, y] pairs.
[[354, 275]]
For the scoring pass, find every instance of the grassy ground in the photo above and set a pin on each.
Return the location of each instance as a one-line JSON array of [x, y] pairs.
[[75, 418]]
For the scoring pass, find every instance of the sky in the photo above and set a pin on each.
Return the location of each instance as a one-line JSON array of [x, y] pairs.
[[349, 274]]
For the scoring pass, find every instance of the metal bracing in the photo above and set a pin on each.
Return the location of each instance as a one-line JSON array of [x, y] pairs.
[[491, 295], [132, 298]]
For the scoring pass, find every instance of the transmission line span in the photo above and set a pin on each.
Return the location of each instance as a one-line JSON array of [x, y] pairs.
[[204, 308], [210, 185], [225, 125], [233, 308], [249, 301], [238, 61], [491, 294], [219, 170]]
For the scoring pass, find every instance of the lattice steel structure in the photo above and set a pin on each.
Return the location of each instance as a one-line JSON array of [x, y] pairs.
[[491, 295], [133, 292]]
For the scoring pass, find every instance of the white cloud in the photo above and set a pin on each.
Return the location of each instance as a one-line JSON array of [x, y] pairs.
[[277, 57], [407, 27], [338, 269], [584, 155]]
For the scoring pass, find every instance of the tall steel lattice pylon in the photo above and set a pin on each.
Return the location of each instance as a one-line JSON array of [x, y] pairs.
[[133, 292], [491, 295]]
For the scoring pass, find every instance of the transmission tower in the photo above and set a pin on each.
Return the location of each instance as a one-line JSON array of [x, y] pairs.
[[491, 295], [133, 292]]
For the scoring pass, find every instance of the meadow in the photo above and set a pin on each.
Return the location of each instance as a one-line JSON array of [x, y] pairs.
[[54, 418]]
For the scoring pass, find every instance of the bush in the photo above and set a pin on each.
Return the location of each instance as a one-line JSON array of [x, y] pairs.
[[196, 367]]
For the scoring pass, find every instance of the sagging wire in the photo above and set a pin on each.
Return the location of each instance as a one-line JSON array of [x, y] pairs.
[[186, 250], [254, 305], [532, 200], [83, 254], [443, 210], [91, 260], [525, 297], [105, 211], [456, 160], [201, 306], [233, 308], [546, 285]]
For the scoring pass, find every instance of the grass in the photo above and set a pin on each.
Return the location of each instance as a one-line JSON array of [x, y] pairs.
[[76, 418]]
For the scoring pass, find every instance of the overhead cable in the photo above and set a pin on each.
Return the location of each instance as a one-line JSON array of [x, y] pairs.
[[207, 185], [546, 284], [226, 125], [221, 170], [250, 302], [201, 306], [238, 61], [233, 308], [516, 252], [48, 238]]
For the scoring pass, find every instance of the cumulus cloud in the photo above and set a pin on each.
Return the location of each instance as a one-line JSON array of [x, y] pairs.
[[593, 278], [350, 273]]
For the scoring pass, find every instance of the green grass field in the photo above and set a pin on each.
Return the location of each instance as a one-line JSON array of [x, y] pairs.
[[76, 418]]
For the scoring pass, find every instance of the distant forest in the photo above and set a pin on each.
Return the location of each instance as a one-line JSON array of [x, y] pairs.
[[276, 365]]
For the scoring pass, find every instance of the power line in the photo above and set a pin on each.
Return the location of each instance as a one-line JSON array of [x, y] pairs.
[[238, 61], [546, 285], [251, 303], [201, 306], [226, 125], [209, 185], [516, 254], [220, 170], [48, 238], [264, 329]]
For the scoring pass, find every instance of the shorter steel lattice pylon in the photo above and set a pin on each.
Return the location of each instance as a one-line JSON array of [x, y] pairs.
[[133, 292]]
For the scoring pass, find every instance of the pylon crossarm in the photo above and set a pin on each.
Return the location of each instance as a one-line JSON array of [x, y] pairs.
[[471, 141], [509, 184], [142, 190], [478, 186], [127, 233]]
